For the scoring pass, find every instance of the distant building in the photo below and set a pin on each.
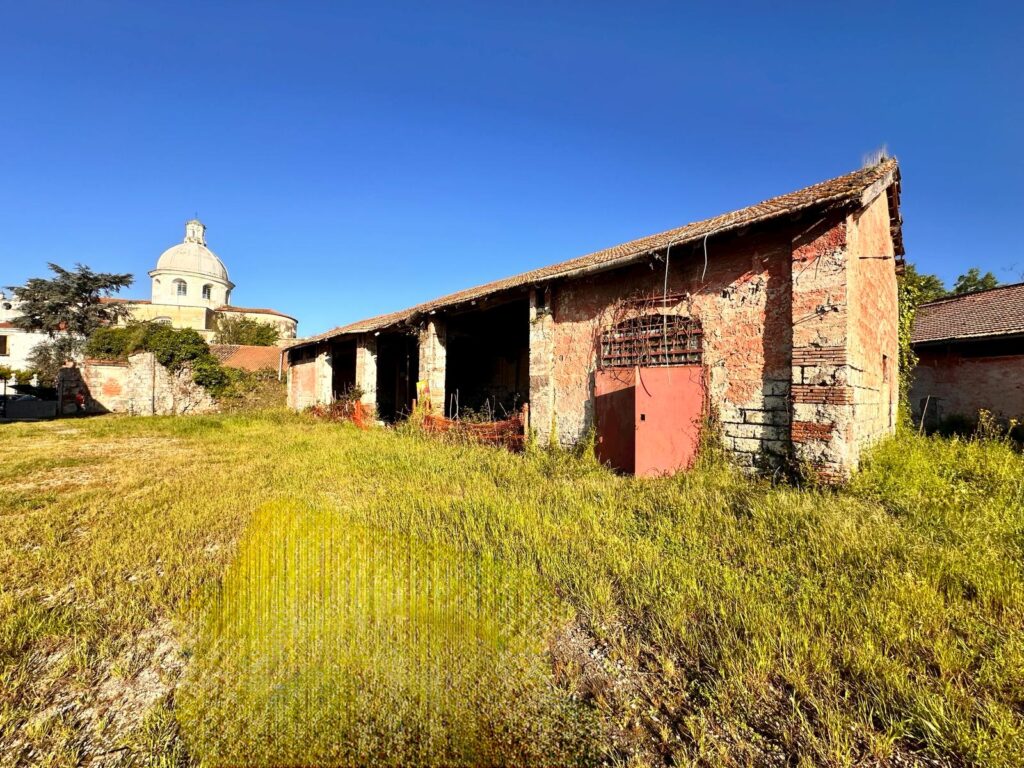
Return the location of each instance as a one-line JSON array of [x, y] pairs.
[[15, 344], [970, 351], [190, 289]]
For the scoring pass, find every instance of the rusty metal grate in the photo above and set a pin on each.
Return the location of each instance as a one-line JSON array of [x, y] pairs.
[[652, 340]]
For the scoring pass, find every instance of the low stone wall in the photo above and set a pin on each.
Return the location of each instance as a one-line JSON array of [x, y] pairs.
[[140, 387]]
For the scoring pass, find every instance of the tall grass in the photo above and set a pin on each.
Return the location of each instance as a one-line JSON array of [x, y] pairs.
[[344, 643], [396, 599]]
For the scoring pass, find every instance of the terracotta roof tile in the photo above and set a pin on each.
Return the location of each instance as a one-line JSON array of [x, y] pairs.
[[995, 312], [252, 311], [852, 187], [247, 357]]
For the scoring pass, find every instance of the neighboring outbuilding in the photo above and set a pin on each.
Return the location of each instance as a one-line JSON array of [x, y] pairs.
[[970, 351], [777, 323]]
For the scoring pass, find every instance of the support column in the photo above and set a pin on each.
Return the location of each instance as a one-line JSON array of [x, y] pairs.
[[324, 376], [366, 370], [433, 361], [821, 427], [542, 362]]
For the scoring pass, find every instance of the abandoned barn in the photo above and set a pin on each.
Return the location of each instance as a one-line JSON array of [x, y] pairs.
[[776, 324], [970, 352]]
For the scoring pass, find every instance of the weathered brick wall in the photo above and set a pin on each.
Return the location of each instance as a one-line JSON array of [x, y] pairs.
[[302, 384], [961, 386], [143, 387], [742, 299], [108, 385], [874, 335], [822, 431]]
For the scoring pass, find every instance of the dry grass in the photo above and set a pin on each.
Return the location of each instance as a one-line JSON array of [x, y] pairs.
[[270, 590]]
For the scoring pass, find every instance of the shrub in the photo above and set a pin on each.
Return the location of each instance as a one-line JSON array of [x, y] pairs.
[[244, 330], [173, 348]]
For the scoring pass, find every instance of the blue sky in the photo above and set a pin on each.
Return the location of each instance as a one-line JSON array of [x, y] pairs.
[[350, 160]]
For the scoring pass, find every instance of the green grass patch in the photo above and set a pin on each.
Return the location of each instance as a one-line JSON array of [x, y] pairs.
[[348, 597]]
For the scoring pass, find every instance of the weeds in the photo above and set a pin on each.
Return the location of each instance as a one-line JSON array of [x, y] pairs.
[[316, 578]]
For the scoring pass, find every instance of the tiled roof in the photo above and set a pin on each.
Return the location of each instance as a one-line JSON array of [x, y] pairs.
[[995, 312], [252, 311], [119, 300], [857, 187], [247, 357]]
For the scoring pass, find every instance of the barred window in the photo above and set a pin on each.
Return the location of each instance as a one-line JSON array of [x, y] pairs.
[[652, 340]]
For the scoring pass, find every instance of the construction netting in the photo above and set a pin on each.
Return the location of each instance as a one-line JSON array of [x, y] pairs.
[[508, 433]]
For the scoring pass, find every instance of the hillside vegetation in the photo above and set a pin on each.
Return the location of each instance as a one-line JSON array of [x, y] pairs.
[[272, 590]]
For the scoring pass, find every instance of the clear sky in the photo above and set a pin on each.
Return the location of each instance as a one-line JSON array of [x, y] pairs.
[[349, 160]]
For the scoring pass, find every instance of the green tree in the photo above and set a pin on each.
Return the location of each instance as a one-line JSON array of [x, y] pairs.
[[67, 307], [71, 302], [972, 280], [923, 287], [244, 330]]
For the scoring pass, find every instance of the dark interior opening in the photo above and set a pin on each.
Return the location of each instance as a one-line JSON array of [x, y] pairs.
[[343, 367], [398, 363], [488, 361]]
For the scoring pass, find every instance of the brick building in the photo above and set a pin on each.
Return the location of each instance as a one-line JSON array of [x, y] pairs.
[[778, 319], [970, 351]]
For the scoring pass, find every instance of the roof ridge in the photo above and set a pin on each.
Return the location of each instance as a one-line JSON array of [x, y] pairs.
[[959, 296], [843, 188]]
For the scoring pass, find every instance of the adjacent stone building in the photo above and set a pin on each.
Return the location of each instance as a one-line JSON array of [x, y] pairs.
[[970, 351], [781, 317]]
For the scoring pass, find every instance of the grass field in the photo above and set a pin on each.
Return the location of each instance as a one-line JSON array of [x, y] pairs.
[[270, 590]]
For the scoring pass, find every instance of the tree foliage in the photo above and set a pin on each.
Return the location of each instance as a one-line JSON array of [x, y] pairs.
[[67, 307], [244, 330], [972, 280], [925, 287], [70, 302]]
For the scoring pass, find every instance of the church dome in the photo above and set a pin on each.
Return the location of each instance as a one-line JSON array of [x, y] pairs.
[[192, 255]]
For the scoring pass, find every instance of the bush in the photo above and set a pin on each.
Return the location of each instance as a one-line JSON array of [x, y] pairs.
[[173, 348], [252, 390], [244, 330]]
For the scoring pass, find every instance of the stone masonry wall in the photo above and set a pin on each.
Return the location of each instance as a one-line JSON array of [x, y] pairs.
[[542, 364], [143, 387], [107, 384], [741, 298], [961, 386], [433, 359], [366, 369], [822, 431]]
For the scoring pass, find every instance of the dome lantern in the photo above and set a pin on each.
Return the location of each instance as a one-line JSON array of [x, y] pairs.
[[195, 232]]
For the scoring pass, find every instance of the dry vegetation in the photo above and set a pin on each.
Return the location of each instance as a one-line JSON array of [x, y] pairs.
[[272, 590]]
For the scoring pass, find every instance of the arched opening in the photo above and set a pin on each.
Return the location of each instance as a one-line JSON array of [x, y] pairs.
[[180, 288], [207, 291]]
